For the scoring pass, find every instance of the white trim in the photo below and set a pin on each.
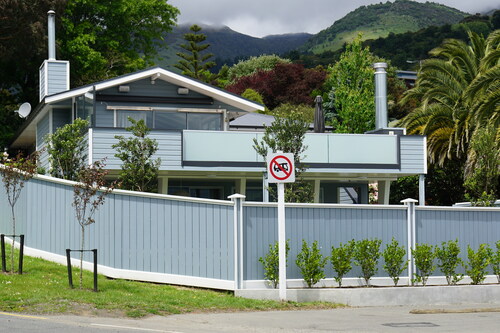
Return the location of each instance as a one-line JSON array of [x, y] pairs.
[[68, 75], [235, 240], [126, 274], [383, 281], [425, 154], [322, 205], [46, 78], [140, 194], [91, 143], [458, 208], [168, 76]]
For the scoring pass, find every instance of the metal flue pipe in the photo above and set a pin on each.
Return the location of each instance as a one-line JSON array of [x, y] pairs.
[[380, 95], [52, 34]]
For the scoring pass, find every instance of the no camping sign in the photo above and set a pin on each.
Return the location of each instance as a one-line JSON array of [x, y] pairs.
[[280, 168]]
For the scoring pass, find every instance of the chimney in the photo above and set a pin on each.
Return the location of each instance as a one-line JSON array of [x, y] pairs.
[[54, 74], [52, 34], [380, 95]]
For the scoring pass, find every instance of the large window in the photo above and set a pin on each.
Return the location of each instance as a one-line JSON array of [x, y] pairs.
[[167, 120]]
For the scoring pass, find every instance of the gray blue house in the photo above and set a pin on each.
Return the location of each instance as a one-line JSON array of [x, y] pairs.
[[202, 155]]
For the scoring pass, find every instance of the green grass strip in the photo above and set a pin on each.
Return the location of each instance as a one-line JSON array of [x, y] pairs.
[[43, 289]]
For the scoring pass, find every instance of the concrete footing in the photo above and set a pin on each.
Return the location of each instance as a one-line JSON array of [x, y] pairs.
[[386, 296]]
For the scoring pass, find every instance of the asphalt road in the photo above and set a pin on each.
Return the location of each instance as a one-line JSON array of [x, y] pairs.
[[380, 319]]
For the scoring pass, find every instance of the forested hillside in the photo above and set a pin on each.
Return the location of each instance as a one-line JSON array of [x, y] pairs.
[[229, 46], [380, 20], [405, 50]]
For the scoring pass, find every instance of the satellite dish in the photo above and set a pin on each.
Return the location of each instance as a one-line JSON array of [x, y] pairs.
[[24, 110]]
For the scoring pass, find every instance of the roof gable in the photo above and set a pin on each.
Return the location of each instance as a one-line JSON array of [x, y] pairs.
[[158, 73]]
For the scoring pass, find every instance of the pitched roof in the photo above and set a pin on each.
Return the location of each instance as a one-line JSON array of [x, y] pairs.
[[163, 74]]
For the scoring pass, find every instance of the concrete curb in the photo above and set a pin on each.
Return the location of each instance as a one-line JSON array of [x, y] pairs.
[[393, 296]]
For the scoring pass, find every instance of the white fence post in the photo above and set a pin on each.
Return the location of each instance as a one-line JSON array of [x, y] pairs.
[[411, 230], [238, 239]]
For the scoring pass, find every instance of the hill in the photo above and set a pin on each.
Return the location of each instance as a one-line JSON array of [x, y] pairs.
[[229, 46], [379, 20]]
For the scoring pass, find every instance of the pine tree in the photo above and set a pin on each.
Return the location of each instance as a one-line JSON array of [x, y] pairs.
[[195, 62]]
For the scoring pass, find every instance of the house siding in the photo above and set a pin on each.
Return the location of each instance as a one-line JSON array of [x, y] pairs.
[[42, 129], [413, 152], [105, 117], [57, 77], [169, 147]]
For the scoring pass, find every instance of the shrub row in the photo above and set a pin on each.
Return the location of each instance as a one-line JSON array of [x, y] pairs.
[[366, 254]]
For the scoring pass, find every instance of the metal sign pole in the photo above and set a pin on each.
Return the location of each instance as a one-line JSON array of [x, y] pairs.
[[282, 241]]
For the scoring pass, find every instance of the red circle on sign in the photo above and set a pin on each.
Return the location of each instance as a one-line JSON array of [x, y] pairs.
[[274, 161]]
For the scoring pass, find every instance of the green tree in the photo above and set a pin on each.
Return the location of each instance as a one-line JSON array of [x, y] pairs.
[[482, 170], [9, 120], [15, 172], [350, 104], [285, 109], [366, 256], [311, 263], [254, 64], [67, 149], [254, 96], [88, 194], [286, 134], [271, 262], [458, 89], [195, 62], [138, 171], [395, 262], [104, 39], [341, 259], [423, 255], [448, 261], [476, 268]]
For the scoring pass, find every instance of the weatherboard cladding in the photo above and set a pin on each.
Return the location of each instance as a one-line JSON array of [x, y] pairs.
[[413, 154], [57, 77], [329, 226], [42, 83], [42, 129], [470, 227], [160, 88], [169, 144], [195, 237], [131, 232]]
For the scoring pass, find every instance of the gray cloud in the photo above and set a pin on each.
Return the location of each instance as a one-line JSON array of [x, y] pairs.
[[265, 17]]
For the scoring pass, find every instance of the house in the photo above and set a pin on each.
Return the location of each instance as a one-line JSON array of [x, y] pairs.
[[202, 155]]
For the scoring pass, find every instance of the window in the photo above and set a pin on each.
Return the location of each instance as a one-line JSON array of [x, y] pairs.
[[204, 121], [122, 118], [170, 120]]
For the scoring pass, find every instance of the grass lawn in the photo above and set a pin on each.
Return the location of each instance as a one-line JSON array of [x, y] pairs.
[[43, 289]]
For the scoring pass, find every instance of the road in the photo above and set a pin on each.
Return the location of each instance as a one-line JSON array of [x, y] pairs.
[[379, 319]]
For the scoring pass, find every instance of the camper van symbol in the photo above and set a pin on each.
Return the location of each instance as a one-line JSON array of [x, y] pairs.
[[280, 167]]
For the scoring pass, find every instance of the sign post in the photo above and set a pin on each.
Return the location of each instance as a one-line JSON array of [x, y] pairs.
[[281, 170]]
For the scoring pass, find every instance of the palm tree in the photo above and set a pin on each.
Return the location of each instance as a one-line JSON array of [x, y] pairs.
[[458, 91]]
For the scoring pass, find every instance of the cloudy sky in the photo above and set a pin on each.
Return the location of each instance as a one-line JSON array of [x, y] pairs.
[[265, 17]]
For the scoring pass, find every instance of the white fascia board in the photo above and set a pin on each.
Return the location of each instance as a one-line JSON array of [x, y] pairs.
[[168, 76], [208, 90]]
